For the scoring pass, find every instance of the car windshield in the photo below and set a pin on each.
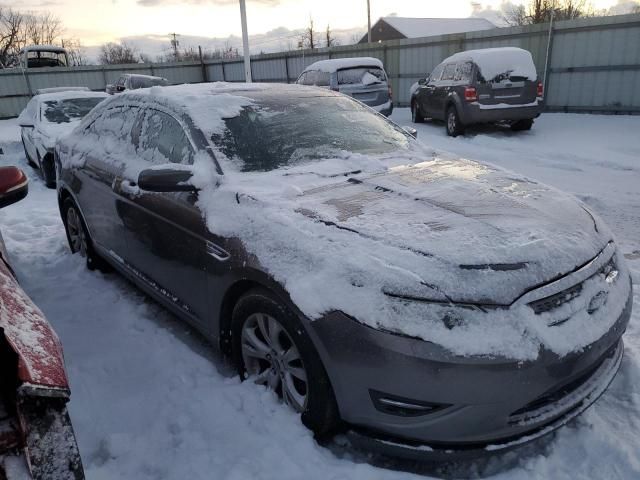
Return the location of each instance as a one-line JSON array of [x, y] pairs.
[[271, 134], [364, 75], [70, 110]]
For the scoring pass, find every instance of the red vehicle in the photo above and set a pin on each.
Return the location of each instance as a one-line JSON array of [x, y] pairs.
[[36, 437]]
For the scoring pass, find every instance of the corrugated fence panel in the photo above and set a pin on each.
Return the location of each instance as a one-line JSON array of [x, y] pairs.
[[594, 65]]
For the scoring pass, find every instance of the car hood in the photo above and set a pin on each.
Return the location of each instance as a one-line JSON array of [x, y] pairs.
[[487, 235]]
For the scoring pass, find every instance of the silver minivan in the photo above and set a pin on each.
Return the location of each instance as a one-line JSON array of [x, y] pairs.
[[362, 78]]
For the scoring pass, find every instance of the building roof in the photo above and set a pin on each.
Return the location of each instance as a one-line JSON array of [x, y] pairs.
[[427, 27]]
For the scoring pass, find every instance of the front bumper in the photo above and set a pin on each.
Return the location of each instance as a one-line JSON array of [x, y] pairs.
[[485, 403]]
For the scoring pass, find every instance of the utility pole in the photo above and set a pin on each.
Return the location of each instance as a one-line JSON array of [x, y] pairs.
[[369, 21], [174, 45], [245, 42]]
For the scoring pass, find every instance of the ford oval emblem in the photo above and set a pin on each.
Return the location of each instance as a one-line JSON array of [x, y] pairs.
[[597, 302]]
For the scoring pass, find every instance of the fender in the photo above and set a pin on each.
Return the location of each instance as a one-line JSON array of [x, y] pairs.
[[454, 99]]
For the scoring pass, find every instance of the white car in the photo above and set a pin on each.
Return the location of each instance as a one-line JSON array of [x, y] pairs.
[[46, 118]]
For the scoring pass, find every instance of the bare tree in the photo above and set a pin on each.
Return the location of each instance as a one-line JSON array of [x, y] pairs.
[[10, 29], [540, 11], [118, 53], [75, 51], [41, 28], [307, 39], [331, 41]]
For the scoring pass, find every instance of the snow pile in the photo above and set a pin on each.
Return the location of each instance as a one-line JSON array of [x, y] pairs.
[[150, 401], [335, 64], [495, 61]]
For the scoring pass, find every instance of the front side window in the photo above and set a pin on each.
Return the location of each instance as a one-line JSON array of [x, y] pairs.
[[163, 140], [271, 134], [435, 75], [449, 71], [463, 72]]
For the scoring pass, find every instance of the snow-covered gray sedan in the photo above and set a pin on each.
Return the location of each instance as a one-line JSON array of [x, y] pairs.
[[425, 303], [49, 116]]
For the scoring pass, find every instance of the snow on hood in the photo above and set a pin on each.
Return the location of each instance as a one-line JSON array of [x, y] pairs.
[[494, 61], [438, 229]]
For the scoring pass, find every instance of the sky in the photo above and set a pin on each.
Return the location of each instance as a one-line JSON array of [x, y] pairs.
[[95, 22]]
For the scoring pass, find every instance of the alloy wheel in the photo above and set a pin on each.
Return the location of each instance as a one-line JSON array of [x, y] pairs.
[[77, 236], [272, 358]]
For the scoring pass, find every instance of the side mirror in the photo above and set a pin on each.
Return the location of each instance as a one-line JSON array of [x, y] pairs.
[[422, 81], [14, 185], [411, 131], [166, 180]]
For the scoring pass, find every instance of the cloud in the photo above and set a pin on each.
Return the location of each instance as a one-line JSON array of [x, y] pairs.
[[220, 3]]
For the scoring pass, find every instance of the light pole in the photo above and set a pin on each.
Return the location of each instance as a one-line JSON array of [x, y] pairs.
[[369, 21], [245, 42]]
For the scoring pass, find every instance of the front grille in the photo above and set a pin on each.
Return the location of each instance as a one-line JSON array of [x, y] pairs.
[[556, 300]]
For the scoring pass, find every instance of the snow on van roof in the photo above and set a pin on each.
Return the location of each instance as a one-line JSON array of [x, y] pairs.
[[43, 48], [494, 61], [335, 64]]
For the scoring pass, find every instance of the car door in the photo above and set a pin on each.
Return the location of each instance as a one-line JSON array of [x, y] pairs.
[[441, 91], [166, 231], [426, 92], [107, 145]]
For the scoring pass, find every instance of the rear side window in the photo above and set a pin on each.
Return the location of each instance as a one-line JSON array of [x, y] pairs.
[[449, 71], [463, 72], [361, 75], [163, 140]]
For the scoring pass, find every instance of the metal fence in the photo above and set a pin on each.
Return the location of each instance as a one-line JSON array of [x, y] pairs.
[[593, 65]]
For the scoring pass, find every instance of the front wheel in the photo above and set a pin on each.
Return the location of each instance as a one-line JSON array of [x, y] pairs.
[[453, 123], [271, 347], [78, 236]]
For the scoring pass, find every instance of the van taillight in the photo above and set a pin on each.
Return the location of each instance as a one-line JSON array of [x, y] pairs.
[[540, 90], [470, 94]]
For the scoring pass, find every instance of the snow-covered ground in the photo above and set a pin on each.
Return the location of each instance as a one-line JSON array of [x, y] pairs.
[[150, 400]]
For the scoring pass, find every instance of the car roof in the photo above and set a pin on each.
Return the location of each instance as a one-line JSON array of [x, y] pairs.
[[68, 95], [335, 64], [139, 75]]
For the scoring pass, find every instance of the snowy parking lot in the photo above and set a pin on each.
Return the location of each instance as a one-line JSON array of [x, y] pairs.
[[151, 400]]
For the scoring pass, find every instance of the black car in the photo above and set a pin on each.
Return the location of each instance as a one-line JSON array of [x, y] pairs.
[[480, 86]]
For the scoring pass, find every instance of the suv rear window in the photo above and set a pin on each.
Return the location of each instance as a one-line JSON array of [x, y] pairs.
[[361, 75]]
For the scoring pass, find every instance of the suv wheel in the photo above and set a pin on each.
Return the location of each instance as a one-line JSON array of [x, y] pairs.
[[416, 114], [522, 125], [271, 347], [453, 123], [78, 236]]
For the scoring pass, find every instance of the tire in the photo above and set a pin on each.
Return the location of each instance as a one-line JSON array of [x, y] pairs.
[[452, 122], [48, 171], [416, 114], [269, 344], [78, 237], [522, 125], [31, 163]]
